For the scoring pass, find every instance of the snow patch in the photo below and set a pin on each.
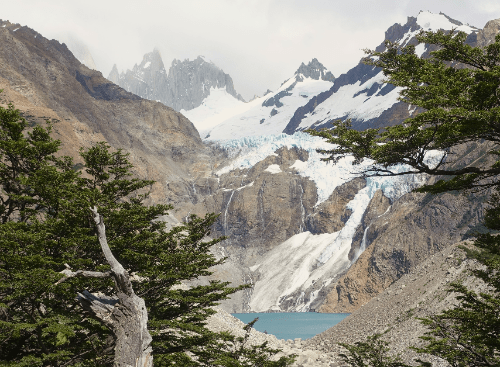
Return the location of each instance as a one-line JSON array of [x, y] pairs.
[[218, 106], [434, 22], [146, 65], [351, 100], [420, 49], [273, 168]]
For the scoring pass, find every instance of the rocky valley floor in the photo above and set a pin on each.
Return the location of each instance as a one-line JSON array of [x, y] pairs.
[[394, 312]]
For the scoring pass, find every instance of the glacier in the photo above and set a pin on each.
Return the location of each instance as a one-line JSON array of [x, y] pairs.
[[248, 151], [306, 263]]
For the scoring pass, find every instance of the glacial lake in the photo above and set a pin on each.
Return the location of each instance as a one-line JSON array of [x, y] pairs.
[[291, 325]]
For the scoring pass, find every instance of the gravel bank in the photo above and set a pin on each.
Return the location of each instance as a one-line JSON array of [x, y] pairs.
[[395, 311]]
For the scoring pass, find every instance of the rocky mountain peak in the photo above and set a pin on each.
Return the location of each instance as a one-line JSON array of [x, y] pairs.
[[184, 87], [426, 21], [314, 70], [152, 61], [114, 75]]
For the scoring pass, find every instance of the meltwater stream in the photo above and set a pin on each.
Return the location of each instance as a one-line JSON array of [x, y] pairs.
[[291, 325]]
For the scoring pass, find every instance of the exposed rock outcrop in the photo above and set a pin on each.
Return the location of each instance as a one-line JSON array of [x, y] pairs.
[[487, 35], [314, 70]]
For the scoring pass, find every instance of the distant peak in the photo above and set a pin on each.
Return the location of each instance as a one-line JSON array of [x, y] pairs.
[[152, 59], [114, 76], [203, 58], [434, 22], [314, 70]]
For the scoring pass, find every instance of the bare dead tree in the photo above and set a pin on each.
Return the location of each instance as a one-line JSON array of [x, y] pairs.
[[124, 313]]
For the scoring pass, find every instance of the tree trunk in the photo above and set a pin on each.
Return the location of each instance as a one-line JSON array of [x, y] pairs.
[[125, 314]]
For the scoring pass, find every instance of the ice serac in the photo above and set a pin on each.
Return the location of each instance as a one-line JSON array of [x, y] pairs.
[[186, 85], [361, 94], [270, 114]]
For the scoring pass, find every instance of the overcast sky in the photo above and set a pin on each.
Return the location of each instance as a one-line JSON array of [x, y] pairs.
[[260, 43]]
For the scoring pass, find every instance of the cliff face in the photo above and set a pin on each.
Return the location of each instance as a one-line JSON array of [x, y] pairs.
[[184, 87]]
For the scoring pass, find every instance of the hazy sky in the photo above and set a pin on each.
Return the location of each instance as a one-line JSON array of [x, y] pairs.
[[260, 43]]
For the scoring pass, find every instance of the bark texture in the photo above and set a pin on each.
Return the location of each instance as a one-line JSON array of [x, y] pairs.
[[125, 314]]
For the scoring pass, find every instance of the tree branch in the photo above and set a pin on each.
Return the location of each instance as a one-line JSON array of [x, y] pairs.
[[118, 271], [81, 273]]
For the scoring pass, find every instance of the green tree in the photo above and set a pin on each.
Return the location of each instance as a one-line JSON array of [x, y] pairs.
[[458, 91], [47, 233]]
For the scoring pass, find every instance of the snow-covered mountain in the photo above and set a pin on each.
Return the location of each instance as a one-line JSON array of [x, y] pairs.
[[309, 100], [361, 93], [186, 85], [271, 114], [297, 273]]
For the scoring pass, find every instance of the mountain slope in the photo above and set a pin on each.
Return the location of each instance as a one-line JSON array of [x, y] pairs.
[[45, 80], [361, 93], [271, 114]]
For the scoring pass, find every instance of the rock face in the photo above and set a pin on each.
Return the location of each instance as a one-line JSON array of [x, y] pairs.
[[487, 35], [413, 229], [314, 70], [184, 87]]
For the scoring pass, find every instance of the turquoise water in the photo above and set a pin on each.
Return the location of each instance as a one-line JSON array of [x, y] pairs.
[[291, 325]]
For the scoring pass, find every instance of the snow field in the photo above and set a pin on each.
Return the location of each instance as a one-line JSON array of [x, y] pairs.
[[217, 107], [255, 119]]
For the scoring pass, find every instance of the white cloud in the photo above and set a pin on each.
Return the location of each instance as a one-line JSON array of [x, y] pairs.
[[259, 43]]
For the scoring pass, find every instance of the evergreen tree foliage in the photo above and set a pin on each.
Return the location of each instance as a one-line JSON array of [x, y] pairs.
[[469, 334], [46, 227], [458, 91]]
